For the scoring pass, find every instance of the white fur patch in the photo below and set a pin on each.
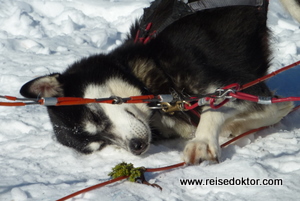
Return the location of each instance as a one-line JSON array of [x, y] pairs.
[[94, 146], [129, 120], [167, 121], [90, 128], [47, 87]]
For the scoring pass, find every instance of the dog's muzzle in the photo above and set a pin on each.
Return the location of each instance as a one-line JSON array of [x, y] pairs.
[[137, 146]]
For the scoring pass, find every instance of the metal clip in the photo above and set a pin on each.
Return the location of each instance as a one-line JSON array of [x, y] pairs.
[[156, 107], [202, 101], [264, 100], [117, 100], [171, 109], [224, 93], [49, 101]]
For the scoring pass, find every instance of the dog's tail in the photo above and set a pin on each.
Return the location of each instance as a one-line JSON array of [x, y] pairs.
[[293, 6]]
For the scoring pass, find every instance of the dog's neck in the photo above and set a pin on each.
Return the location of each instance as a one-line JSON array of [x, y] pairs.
[[151, 75], [141, 62]]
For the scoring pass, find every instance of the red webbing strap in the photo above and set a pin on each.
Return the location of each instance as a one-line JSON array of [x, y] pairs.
[[140, 99], [12, 104], [269, 75]]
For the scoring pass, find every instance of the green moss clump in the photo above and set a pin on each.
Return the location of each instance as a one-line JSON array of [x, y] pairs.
[[124, 169]]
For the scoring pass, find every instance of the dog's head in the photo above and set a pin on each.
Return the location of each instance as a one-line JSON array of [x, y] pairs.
[[90, 127]]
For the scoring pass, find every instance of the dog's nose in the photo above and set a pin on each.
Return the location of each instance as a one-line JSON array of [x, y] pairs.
[[137, 146]]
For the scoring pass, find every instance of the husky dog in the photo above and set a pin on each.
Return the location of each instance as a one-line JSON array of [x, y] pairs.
[[194, 54]]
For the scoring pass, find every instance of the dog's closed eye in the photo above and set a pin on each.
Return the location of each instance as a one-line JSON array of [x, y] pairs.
[[131, 113]]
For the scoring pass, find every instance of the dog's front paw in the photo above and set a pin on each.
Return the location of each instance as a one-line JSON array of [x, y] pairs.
[[197, 151]]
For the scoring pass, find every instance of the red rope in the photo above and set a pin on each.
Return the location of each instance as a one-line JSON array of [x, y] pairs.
[[146, 37], [248, 97], [269, 75], [12, 104], [92, 188], [241, 96], [65, 101], [244, 96], [165, 168]]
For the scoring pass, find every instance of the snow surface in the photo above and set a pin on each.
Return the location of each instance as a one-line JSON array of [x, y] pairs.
[[38, 37]]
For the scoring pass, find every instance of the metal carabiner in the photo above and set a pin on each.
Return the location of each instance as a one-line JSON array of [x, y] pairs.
[[172, 108], [224, 93]]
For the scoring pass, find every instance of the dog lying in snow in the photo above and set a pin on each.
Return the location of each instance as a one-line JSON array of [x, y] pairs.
[[189, 50]]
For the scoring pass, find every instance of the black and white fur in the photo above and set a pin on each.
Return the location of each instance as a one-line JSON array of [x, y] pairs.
[[195, 55]]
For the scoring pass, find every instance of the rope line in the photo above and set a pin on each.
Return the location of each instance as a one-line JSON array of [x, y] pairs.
[[228, 92]]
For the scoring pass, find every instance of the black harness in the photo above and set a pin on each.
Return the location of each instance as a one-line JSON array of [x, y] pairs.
[[181, 9]]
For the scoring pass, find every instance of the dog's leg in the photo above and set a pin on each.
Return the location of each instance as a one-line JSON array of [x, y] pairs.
[[268, 115], [226, 120], [205, 145]]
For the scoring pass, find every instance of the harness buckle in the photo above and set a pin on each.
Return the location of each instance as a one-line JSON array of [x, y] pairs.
[[172, 108]]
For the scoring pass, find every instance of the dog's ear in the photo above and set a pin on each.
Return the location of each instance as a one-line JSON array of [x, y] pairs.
[[46, 86]]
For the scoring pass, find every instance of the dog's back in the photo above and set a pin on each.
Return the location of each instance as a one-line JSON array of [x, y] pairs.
[[212, 40]]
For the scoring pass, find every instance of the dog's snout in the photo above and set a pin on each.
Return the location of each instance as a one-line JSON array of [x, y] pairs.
[[138, 146]]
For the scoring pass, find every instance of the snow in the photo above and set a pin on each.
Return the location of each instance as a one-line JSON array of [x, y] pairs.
[[40, 37]]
